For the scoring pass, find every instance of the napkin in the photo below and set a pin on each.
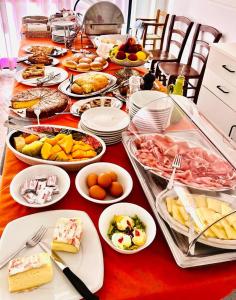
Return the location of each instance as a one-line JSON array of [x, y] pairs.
[[36, 27]]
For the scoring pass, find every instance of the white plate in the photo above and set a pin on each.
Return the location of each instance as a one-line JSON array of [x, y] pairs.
[[61, 33], [60, 49], [127, 209], [114, 103], [87, 264], [62, 87], [105, 119], [33, 81], [54, 62], [63, 183], [123, 177], [214, 242], [105, 134]]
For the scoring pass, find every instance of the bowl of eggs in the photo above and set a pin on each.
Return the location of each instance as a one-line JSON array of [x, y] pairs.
[[126, 227], [103, 183]]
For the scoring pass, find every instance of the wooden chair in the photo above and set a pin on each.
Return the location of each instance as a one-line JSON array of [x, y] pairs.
[[198, 54], [159, 25], [177, 37]]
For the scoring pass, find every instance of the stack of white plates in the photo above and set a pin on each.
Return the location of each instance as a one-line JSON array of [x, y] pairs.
[[150, 111], [58, 35], [57, 25], [106, 122]]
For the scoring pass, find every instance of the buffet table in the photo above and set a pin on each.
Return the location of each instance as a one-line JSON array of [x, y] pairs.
[[149, 274]]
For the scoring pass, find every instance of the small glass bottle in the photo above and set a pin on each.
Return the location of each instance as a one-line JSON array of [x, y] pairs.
[[134, 86]]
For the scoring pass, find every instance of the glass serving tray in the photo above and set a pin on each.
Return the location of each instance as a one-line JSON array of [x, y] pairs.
[[197, 132]]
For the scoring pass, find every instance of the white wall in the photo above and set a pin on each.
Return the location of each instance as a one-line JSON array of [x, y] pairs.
[[220, 14]]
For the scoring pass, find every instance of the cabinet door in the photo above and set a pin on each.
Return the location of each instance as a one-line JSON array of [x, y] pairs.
[[216, 111]]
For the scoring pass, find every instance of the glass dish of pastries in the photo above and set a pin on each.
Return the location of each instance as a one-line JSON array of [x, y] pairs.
[[33, 71], [48, 100], [85, 62]]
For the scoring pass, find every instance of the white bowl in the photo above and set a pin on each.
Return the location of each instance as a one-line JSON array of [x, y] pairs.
[[127, 209], [123, 177], [30, 172], [69, 165]]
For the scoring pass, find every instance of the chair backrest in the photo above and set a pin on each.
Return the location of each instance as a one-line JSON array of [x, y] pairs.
[[179, 30], [203, 35], [163, 28]]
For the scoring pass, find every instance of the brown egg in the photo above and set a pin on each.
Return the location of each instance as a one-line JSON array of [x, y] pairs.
[[91, 179], [116, 189], [97, 192], [113, 175], [104, 180]]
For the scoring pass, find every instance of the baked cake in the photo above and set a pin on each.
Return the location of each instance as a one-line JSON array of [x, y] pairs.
[[67, 235], [29, 272], [40, 58], [33, 71], [42, 49], [48, 100]]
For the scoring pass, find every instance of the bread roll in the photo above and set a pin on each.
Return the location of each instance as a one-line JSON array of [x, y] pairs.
[[83, 67], [96, 66], [85, 60]]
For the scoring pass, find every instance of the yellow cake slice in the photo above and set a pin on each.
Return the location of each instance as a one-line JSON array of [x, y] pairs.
[[29, 272], [67, 235], [23, 103]]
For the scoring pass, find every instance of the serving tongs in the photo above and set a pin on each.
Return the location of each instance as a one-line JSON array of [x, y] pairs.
[[115, 87], [48, 78], [13, 126]]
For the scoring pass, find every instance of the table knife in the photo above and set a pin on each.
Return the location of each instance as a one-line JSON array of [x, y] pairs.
[[75, 281]]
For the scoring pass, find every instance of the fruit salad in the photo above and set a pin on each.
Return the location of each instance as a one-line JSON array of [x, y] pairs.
[[61, 147], [127, 233]]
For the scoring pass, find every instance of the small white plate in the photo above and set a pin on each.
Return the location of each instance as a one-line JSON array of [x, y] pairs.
[[123, 177], [54, 62], [126, 209], [60, 49], [76, 106], [29, 173], [63, 86], [87, 264], [105, 119], [33, 81]]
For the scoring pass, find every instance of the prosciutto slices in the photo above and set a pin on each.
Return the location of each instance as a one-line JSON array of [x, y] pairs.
[[199, 168]]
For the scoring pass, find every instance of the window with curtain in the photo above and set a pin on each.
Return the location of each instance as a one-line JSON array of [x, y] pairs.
[[12, 11]]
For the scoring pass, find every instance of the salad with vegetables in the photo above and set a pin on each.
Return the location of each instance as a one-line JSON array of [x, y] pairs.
[[127, 233]]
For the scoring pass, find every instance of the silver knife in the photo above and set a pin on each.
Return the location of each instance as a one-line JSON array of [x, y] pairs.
[[75, 281]]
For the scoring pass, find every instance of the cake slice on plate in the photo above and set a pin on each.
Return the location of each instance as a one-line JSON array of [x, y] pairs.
[[67, 235], [29, 272]]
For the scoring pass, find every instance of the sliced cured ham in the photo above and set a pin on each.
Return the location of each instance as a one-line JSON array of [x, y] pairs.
[[199, 168]]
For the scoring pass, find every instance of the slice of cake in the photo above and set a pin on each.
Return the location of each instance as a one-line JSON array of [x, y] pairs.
[[29, 272], [67, 235]]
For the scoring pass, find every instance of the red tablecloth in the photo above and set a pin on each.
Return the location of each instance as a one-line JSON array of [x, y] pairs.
[[150, 274]]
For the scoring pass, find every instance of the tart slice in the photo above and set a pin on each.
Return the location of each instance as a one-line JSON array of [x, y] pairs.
[[29, 272], [67, 235], [33, 71]]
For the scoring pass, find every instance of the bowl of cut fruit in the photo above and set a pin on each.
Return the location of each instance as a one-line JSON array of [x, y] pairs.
[[130, 54], [104, 183], [61, 146]]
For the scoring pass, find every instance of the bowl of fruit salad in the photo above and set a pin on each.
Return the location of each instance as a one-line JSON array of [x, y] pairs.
[[61, 146], [127, 228], [104, 183]]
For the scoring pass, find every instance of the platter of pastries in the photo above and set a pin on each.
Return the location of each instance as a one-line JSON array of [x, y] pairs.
[[85, 62], [85, 85], [48, 100], [207, 209], [44, 49], [81, 106], [36, 75]]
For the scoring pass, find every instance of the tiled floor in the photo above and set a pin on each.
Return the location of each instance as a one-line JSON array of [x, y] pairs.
[[6, 87]]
